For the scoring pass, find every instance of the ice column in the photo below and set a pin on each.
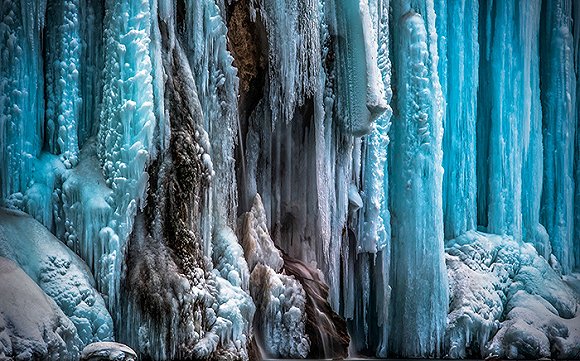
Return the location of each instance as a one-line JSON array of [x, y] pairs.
[[558, 105], [419, 279], [459, 153], [21, 92], [127, 119], [375, 223], [576, 15], [532, 150], [500, 120], [63, 103]]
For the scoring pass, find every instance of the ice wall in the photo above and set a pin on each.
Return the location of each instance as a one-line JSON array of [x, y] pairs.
[[373, 130], [559, 118], [418, 269]]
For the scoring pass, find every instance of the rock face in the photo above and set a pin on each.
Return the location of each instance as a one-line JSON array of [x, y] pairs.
[[32, 327]]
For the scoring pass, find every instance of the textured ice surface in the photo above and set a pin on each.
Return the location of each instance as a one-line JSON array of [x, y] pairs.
[[507, 301], [42, 332]]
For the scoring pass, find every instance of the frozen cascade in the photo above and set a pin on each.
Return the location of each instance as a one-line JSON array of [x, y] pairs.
[[249, 176], [559, 112]]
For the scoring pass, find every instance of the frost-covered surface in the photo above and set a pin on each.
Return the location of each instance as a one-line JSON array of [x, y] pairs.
[[60, 273], [507, 301], [255, 239], [42, 332]]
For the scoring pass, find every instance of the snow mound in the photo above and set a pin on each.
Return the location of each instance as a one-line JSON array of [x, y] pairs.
[[508, 301], [31, 324], [59, 272]]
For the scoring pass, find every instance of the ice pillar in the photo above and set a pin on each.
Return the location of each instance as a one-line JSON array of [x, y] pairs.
[[559, 113], [63, 103], [418, 268], [459, 153], [21, 92], [576, 15], [532, 150]]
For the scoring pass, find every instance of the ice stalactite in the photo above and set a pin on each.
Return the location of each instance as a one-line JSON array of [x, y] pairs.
[[63, 101], [559, 118], [418, 268], [508, 193], [293, 60], [532, 148], [21, 94], [461, 82]]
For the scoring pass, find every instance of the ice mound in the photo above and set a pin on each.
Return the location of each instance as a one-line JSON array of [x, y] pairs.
[[507, 301], [31, 324], [59, 272]]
